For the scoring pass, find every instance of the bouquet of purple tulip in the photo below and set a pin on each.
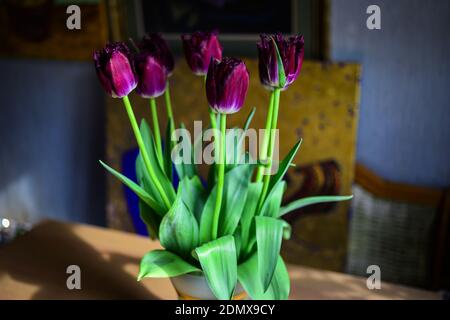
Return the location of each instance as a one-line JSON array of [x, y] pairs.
[[228, 231]]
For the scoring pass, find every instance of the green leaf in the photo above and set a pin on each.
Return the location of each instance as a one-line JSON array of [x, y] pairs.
[[219, 264], [232, 154], [166, 184], [206, 219], [151, 219], [212, 177], [238, 241], [150, 144], [300, 203], [178, 231], [272, 204], [145, 181], [234, 140], [163, 264], [287, 230], [281, 72], [254, 190], [235, 192], [269, 232], [184, 168], [193, 195], [271, 208], [284, 166], [140, 192], [279, 286], [168, 146], [249, 118]]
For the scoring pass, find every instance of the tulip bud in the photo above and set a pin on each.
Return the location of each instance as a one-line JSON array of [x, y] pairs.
[[199, 48], [156, 44], [151, 73], [280, 60], [226, 85], [115, 69]]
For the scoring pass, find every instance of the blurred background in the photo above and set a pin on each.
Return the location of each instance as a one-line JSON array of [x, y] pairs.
[[373, 108]]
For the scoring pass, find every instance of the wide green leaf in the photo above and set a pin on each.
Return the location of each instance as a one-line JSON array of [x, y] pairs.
[[272, 204], [163, 264], [254, 190], [300, 203], [168, 146], [150, 145], [232, 154], [212, 178], [219, 264], [146, 183], [140, 192], [269, 232], [238, 241], [284, 166], [271, 208], [235, 192], [165, 182], [178, 231], [193, 195], [151, 219], [206, 219], [184, 167], [279, 286]]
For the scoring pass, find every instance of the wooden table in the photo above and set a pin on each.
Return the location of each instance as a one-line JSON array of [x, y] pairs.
[[34, 267]]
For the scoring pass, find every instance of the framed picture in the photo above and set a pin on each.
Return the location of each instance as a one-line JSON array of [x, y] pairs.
[[38, 29], [239, 22]]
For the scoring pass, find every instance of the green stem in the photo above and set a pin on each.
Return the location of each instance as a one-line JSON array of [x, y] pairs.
[[221, 175], [169, 144], [144, 153], [266, 178], [156, 131], [212, 115], [265, 142], [169, 105], [212, 118]]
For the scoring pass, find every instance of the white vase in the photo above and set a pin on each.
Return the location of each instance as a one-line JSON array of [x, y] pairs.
[[193, 286]]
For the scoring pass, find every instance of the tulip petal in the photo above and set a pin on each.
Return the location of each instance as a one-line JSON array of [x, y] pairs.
[[152, 76], [115, 69], [199, 48]]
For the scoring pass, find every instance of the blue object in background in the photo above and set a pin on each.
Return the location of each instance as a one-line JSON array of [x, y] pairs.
[[129, 170]]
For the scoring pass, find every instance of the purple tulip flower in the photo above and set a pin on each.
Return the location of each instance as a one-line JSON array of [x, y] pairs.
[[158, 47], [115, 69], [199, 48], [152, 75], [226, 85], [291, 51]]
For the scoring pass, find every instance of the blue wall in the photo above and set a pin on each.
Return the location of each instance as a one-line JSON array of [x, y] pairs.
[[404, 129], [51, 136], [52, 112]]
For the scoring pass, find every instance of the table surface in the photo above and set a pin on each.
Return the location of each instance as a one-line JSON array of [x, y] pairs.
[[34, 267]]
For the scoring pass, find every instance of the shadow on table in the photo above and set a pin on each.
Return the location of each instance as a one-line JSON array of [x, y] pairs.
[[40, 258]]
